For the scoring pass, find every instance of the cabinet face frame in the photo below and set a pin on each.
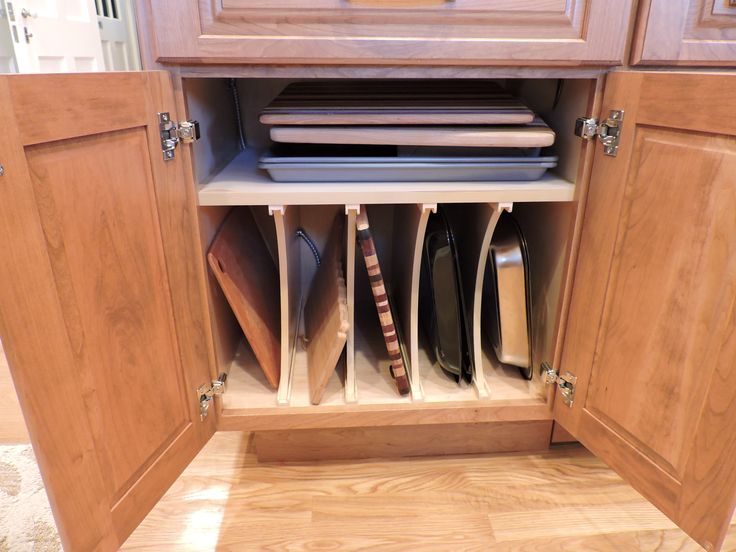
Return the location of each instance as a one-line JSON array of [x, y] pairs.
[[213, 31], [656, 393], [685, 32]]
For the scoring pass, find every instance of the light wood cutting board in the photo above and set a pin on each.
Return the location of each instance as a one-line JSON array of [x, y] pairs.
[[530, 136], [249, 279], [326, 314]]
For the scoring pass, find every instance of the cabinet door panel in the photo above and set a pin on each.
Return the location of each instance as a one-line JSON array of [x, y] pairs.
[[686, 32], [389, 31], [652, 328], [91, 320]]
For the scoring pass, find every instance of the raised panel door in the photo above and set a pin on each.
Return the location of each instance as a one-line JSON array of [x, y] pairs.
[[99, 315], [652, 330]]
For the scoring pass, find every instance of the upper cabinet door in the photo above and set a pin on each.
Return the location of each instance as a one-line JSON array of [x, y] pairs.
[[651, 334], [686, 32], [101, 308], [503, 32]]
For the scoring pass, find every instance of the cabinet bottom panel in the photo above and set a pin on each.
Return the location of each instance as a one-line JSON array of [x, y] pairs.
[[401, 441]]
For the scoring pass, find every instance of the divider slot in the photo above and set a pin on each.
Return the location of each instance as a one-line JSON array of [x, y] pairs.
[[351, 382], [287, 220], [472, 226], [393, 237], [315, 222], [410, 225], [247, 384]]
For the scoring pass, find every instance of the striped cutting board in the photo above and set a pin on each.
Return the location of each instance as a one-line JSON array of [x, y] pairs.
[[380, 296]]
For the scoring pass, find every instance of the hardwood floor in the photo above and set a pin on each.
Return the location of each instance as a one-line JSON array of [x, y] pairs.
[[12, 426], [561, 500], [565, 499]]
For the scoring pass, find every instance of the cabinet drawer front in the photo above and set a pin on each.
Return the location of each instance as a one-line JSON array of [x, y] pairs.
[[391, 31], [686, 32]]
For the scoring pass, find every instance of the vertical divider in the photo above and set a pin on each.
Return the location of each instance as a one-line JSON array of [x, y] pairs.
[[473, 226], [351, 381], [410, 225], [286, 220]]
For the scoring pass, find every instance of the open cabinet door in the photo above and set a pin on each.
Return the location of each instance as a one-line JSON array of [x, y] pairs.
[[101, 295], [651, 335]]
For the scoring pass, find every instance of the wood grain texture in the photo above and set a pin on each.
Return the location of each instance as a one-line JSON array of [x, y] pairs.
[[474, 32], [394, 103], [530, 136], [326, 313], [410, 222], [561, 500], [662, 238], [86, 285], [401, 441], [226, 331], [401, 71], [685, 32], [381, 297], [249, 279], [286, 221]]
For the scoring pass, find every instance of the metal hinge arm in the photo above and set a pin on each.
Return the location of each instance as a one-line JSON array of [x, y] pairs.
[[565, 383], [607, 132], [206, 394], [175, 133]]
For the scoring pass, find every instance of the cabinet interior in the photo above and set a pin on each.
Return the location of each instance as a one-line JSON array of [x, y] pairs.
[[228, 179]]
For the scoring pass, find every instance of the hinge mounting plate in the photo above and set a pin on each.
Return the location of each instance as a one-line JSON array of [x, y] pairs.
[[206, 393], [175, 133], [608, 132], [565, 383]]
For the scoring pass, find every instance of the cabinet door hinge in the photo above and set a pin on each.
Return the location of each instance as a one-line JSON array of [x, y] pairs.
[[174, 133], [608, 132], [565, 383], [206, 393]]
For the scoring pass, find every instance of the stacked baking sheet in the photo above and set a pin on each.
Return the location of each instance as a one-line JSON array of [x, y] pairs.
[[403, 131]]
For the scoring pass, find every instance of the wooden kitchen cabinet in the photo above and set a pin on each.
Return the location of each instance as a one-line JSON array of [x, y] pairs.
[[439, 32], [686, 32], [112, 323]]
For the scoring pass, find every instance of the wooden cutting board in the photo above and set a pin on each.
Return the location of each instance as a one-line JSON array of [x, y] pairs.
[[249, 278], [398, 116], [382, 301], [529, 136], [326, 314], [404, 102]]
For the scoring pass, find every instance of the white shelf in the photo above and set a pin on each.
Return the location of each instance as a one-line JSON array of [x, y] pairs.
[[242, 183]]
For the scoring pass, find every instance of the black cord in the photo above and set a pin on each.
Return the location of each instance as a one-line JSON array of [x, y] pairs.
[[238, 119], [303, 235], [558, 92]]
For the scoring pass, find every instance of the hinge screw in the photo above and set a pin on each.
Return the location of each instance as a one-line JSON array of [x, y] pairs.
[[2, 170]]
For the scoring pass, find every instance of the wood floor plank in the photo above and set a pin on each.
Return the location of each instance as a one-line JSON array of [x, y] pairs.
[[646, 541], [561, 500], [575, 521]]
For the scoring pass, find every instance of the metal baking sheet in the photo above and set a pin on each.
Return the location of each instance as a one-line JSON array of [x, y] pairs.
[[340, 153], [507, 313], [413, 171]]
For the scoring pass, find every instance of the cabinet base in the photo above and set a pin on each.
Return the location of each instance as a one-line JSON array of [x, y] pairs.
[[401, 441]]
